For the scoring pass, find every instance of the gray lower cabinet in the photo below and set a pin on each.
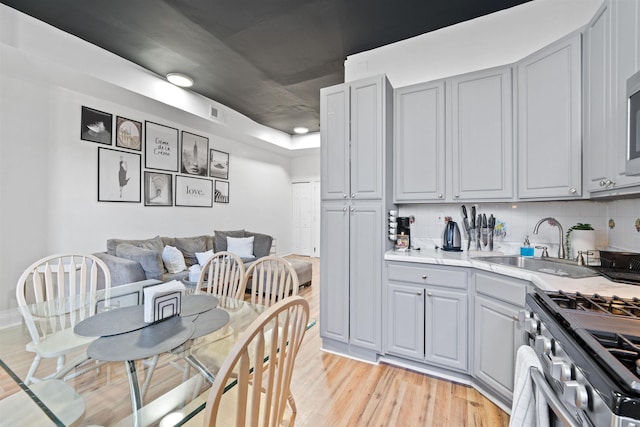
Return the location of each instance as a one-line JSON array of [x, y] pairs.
[[427, 317], [496, 335]]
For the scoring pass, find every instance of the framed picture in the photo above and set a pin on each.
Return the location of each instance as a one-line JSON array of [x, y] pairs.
[[95, 126], [194, 154], [194, 191], [161, 147], [218, 164], [118, 176], [128, 134], [158, 189], [221, 194]]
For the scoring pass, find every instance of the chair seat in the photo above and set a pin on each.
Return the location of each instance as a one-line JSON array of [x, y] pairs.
[[59, 343]]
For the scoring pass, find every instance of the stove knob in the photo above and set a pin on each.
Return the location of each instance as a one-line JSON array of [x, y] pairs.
[[559, 370], [575, 393], [542, 345], [531, 325]]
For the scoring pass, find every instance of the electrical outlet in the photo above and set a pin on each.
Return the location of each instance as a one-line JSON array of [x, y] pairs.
[[440, 218]]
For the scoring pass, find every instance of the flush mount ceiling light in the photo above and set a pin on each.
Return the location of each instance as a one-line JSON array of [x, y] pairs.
[[180, 79], [300, 130]]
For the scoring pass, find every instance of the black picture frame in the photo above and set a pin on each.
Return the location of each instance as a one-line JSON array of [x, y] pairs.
[[118, 176], [128, 133], [221, 192], [158, 189], [218, 164], [160, 147], [95, 126], [193, 192], [194, 154]]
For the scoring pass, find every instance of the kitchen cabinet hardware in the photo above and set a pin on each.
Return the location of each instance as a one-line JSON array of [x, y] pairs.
[[429, 294], [424, 277], [607, 183], [440, 196], [352, 209], [353, 195], [573, 190], [419, 293], [344, 209], [515, 318]]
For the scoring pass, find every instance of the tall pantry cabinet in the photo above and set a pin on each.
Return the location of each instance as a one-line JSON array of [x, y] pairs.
[[356, 155]]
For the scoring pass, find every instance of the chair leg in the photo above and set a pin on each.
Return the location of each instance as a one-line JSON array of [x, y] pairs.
[[148, 374], [60, 363], [294, 409], [32, 370]]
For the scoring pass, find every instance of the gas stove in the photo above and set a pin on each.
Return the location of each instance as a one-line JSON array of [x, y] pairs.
[[589, 347]]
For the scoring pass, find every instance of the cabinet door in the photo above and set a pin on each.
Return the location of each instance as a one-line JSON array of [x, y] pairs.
[[405, 328], [366, 233], [367, 138], [334, 271], [446, 328], [334, 147], [419, 143], [549, 115], [597, 137], [481, 135], [495, 344]]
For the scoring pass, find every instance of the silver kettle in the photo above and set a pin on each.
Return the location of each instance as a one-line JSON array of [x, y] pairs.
[[451, 240]]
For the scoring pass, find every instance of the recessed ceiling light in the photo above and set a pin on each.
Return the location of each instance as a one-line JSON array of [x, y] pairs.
[[180, 79], [300, 130]]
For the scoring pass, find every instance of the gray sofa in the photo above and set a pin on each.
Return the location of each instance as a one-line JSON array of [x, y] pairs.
[[134, 260]]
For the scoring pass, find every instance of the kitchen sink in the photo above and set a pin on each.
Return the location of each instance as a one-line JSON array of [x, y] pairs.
[[555, 266]]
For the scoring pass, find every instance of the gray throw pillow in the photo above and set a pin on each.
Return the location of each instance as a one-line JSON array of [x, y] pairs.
[[220, 239], [261, 243], [154, 243], [189, 246], [149, 259]]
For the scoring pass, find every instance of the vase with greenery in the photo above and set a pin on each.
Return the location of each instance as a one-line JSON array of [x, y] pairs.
[[578, 226]]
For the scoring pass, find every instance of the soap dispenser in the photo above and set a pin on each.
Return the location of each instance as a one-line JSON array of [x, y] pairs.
[[526, 249]]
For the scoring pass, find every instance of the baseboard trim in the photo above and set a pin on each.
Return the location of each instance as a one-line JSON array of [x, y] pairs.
[[10, 317]]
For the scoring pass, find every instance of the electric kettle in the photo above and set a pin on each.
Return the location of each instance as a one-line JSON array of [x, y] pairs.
[[451, 240]]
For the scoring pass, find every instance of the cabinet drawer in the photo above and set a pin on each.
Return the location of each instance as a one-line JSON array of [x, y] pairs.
[[503, 288], [451, 278]]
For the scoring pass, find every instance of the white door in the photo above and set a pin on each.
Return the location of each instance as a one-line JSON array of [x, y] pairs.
[[302, 218], [315, 229]]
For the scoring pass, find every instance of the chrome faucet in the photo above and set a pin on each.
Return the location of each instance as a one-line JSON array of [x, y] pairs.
[[555, 223]]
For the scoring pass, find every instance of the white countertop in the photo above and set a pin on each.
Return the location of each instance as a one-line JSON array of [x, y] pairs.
[[548, 282]]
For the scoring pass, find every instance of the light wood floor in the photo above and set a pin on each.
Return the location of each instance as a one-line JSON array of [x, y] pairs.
[[336, 391]]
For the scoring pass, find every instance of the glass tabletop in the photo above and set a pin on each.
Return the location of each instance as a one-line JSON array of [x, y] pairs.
[[175, 392]]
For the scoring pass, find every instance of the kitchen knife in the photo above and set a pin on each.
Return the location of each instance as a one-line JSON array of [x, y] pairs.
[[467, 227], [484, 230], [478, 231], [492, 226], [473, 217]]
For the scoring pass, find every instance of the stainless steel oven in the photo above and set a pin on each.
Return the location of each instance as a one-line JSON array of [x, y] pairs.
[[589, 350]]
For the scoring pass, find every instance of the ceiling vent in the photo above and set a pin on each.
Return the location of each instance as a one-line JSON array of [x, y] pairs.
[[215, 113]]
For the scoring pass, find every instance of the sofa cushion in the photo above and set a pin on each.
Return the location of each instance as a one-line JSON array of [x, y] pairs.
[[154, 243], [189, 246], [173, 259], [261, 243], [149, 259], [203, 257], [241, 246], [220, 239]]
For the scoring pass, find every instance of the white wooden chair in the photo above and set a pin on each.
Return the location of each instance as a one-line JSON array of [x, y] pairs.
[[222, 275], [262, 390], [64, 287], [271, 279]]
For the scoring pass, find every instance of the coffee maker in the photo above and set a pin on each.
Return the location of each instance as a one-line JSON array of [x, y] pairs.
[[403, 239]]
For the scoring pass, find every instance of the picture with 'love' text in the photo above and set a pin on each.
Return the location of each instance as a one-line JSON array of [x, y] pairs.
[[194, 191]]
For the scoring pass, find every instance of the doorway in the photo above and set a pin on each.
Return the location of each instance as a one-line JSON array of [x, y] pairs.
[[306, 218]]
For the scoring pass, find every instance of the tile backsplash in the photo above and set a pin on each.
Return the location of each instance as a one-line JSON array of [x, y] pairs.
[[520, 219]]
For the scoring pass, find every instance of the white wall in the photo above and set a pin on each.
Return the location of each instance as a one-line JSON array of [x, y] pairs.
[[48, 175]]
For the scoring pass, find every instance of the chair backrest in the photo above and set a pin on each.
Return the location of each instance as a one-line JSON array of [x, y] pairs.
[[222, 275], [65, 289], [271, 279], [261, 390]]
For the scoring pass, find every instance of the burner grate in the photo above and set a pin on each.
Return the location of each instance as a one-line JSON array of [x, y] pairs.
[[596, 303], [625, 348]]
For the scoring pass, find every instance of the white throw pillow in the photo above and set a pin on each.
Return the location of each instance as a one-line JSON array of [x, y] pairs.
[[203, 257], [173, 259], [241, 246]]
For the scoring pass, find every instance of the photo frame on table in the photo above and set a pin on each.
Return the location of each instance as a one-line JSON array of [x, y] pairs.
[[218, 164], [118, 176], [195, 192], [194, 154], [128, 133], [96, 126], [158, 189], [221, 192], [161, 147]]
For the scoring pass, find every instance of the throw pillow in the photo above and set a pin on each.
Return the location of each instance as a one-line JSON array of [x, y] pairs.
[[189, 246], [243, 246], [203, 257], [261, 244], [150, 260], [220, 239], [173, 259]]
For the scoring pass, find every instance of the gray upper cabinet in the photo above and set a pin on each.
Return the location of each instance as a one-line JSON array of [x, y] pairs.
[[549, 122], [352, 160], [481, 135], [419, 143]]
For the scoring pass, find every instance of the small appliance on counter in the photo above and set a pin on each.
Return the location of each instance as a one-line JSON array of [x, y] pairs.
[[451, 240], [403, 233]]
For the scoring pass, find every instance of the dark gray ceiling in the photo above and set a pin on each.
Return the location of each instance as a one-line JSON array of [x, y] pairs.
[[266, 59]]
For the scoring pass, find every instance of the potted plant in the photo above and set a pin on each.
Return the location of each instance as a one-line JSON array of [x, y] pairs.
[[580, 237]]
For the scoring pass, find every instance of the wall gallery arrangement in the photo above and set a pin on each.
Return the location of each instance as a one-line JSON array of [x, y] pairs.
[[179, 167]]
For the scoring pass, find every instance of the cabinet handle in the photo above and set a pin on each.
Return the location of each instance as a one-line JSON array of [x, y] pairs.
[[428, 294], [573, 190], [344, 196], [424, 277], [515, 318], [440, 196], [344, 209], [351, 209], [353, 196], [419, 293], [456, 196]]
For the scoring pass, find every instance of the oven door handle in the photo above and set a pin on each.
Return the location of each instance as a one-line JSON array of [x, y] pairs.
[[552, 401]]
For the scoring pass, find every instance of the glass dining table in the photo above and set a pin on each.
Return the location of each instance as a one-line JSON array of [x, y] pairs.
[[107, 383]]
